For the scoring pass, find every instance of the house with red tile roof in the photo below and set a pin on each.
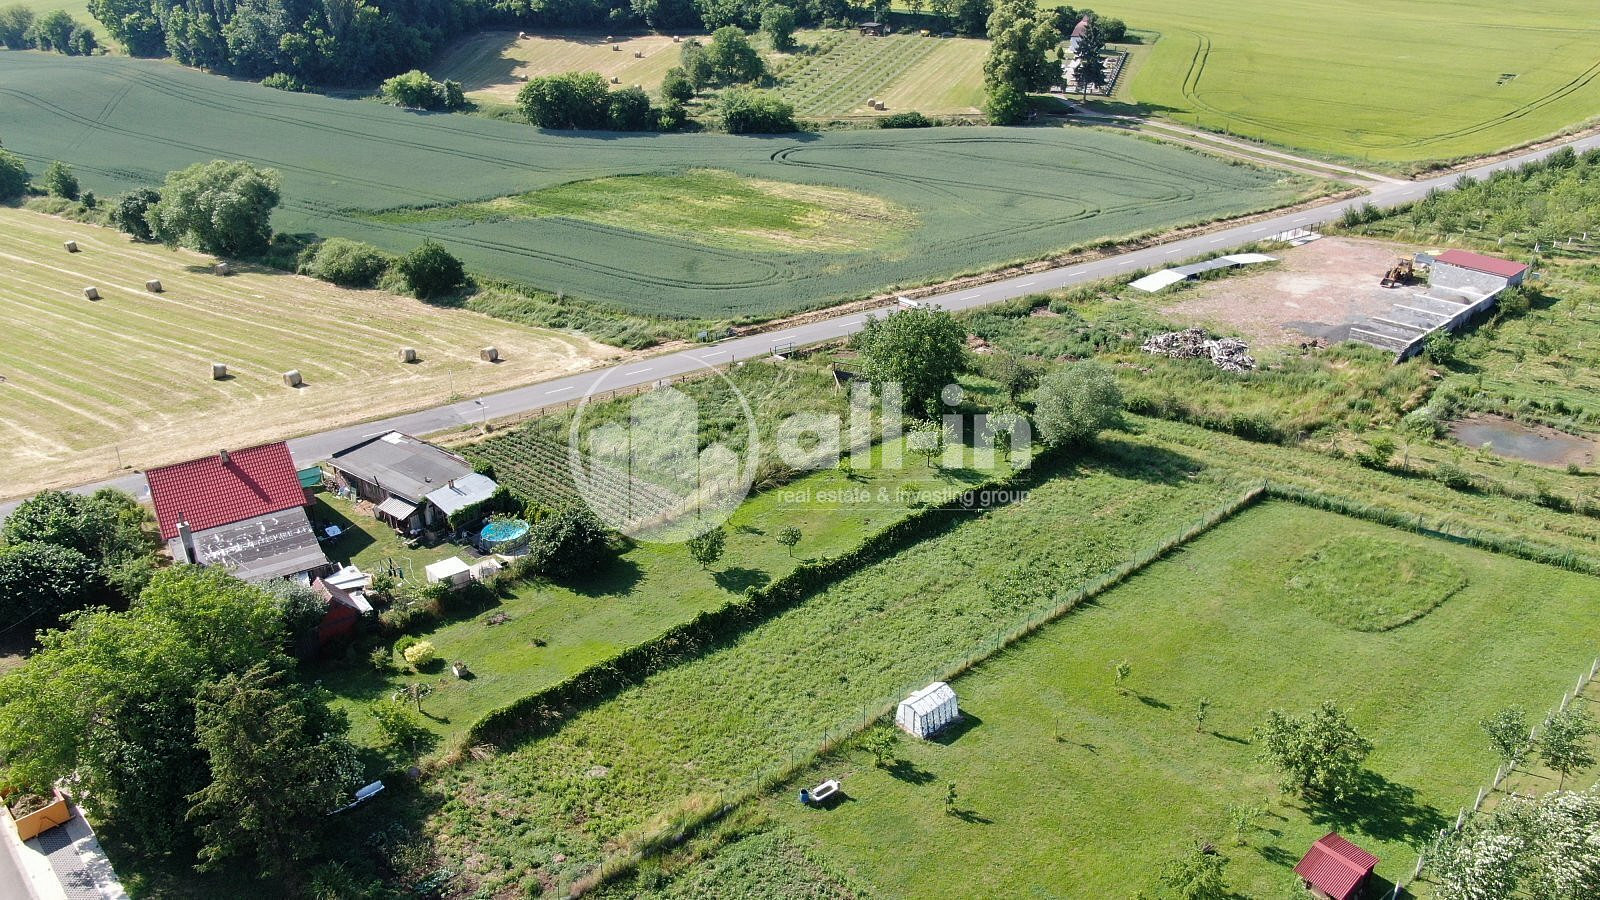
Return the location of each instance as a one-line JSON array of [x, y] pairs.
[[1335, 869], [241, 509]]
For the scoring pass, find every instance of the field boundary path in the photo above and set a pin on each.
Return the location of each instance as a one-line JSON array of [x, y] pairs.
[[635, 374], [1241, 149]]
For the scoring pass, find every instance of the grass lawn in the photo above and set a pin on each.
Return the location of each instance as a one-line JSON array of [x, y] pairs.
[[553, 631], [1385, 82], [979, 196], [545, 812], [95, 388], [372, 546], [1069, 788]]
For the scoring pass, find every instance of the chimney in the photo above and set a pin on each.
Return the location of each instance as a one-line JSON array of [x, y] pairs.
[[186, 539], [224, 455]]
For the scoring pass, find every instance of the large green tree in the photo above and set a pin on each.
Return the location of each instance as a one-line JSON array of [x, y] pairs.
[[918, 350], [1319, 756], [13, 176], [732, 58], [110, 697], [1022, 36], [568, 100], [217, 207], [1543, 848], [279, 763], [431, 270], [108, 527], [1073, 404]]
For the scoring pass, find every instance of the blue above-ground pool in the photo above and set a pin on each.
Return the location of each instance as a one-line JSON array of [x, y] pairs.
[[505, 531]]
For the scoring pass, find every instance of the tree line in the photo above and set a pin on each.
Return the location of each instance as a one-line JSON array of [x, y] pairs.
[[21, 29]]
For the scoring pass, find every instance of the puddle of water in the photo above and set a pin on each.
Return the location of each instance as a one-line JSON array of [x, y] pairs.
[[1517, 441]]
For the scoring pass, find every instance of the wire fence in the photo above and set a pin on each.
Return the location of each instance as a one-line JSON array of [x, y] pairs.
[[697, 813]]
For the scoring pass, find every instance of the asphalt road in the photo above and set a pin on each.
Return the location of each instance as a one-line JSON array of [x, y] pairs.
[[316, 447]]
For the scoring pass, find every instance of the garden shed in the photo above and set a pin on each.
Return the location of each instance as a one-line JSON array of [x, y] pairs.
[[450, 571], [928, 710]]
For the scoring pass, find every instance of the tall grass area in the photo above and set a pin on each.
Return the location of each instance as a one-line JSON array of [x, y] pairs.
[[671, 744], [1064, 780]]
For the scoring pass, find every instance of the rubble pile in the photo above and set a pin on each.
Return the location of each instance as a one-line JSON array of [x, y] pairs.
[[1227, 354]]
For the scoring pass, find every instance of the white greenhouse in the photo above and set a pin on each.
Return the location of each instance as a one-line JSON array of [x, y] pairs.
[[928, 710]]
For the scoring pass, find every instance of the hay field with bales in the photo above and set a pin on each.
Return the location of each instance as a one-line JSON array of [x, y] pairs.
[[972, 197], [931, 75], [91, 387], [492, 65], [1391, 82]]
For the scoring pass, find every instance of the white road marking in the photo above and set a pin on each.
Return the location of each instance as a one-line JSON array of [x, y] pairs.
[[1076, 272], [558, 391]]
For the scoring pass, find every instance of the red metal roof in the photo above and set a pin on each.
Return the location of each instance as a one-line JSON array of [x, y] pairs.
[[208, 493], [1477, 262], [1335, 866]]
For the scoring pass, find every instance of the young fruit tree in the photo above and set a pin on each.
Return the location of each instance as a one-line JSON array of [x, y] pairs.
[[789, 536], [1073, 405], [1508, 735], [1540, 847], [1319, 755], [920, 350], [706, 548], [1563, 745]]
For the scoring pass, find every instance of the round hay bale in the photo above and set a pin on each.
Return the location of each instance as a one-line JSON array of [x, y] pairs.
[[91, 293], [489, 354], [408, 354], [221, 269], [292, 378], [219, 371], [154, 286], [72, 246]]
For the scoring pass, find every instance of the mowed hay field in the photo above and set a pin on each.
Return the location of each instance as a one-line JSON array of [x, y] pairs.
[[1069, 788], [128, 377], [972, 197], [1390, 81], [936, 76], [492, 65]]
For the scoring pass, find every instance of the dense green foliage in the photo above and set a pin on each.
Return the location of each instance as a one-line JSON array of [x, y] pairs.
[[110, 698], [911, 119], [43, 580], [54, 30], [430, 270], [751, 111], [1072, 405], [131, 210], [13, 176], [916, 352], [1022, 38], [568, 542], [217, 207], [279, 763], [60, 182], [728, 59], [417, 90], [1042, 190], [347, 263], [107, 528]]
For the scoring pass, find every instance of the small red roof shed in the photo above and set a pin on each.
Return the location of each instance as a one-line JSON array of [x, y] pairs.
[[1335, 868], [1477, 262], [228, 487]]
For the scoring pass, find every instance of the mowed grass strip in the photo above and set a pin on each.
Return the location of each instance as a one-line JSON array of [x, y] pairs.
[[702, 206], [1387, 81], [981, 197], [126, 380], [774, 692], [1068, 785]]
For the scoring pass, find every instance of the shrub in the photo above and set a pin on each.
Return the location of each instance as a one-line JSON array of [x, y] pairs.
[[430, 270], [59, 181], [128, 213], [418, 90], [419, 654], [283, 81], [1005, 105], [13, 176], [348, 263], [629, 110], [749, 111], [566, 543], [677, 87], [569, 100], [906, 120]]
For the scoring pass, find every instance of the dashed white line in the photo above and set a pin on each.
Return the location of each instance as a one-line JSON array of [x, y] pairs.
[[557, 391]]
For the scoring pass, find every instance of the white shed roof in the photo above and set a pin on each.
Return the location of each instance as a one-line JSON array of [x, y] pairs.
[[929, 698], [445, 569], [462, 493]]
